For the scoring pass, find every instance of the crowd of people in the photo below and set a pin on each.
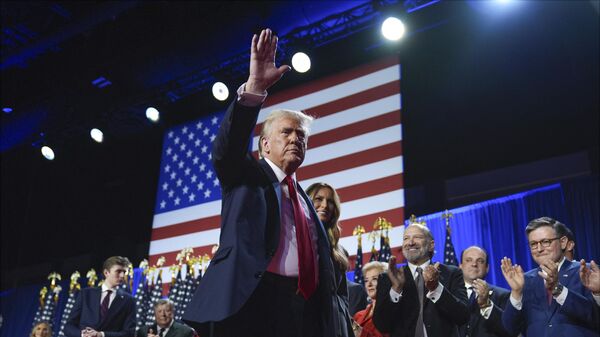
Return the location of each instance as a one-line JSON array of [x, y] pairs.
[[280, 270]]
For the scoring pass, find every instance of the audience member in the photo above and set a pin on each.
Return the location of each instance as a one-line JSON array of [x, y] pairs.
[[403, 306], [41, 329], [486, 301], [165, 326], [551, 299], [363, 320]]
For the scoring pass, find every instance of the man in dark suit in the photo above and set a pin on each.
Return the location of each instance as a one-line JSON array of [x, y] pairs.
[[164, 312], [421, 297], [272, 274], [549, 300], [486, 301], [107, 311], [357, 297]]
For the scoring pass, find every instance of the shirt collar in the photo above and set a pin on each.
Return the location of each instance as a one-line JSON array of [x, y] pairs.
[[278, 172], [413, 267], [105, 288], [560, 264]]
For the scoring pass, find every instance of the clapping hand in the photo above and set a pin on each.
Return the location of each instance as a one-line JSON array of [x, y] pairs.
[[514, 276], [431, 276], [590, 277], [395, 275], [483, 292], [549, 273]]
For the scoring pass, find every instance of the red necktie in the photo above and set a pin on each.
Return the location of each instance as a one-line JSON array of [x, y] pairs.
[[104, 305], [307, 273]]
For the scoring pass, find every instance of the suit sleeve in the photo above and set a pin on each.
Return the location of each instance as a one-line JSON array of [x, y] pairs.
[[494, 322], [72, 328], [385, 309], [231, 147], [513, 320], [453, 302], [580, 309]]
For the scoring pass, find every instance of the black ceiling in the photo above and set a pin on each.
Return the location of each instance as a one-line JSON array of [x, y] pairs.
[[482, 89]]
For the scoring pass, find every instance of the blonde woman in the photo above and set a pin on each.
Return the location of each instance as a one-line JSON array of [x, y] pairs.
[[364, 318], [41, 329]]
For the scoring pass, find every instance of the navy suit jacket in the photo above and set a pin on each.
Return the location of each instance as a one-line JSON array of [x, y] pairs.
[[441, 318], [477, 326], [119, 321], [250, 226], [176, 330], [574, 318], [357, 297]]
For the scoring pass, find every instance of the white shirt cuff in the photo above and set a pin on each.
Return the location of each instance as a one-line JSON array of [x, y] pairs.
[[250, 99], [597, 299], [516, 304], [395, 296], [487, 312], [436, 293]]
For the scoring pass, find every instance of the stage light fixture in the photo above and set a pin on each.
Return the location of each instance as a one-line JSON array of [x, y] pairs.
[[392, 29], [220, 91], [97, 135], [152, 114], [301, 62], [47, 152], [7, 110]]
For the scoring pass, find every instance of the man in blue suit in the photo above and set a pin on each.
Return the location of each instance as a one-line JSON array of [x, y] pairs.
[[106, 311], [549, 300], [272, 274]]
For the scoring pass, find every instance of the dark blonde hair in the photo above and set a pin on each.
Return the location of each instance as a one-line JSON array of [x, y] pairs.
[[115, 260], [32, 334], [333, 228]]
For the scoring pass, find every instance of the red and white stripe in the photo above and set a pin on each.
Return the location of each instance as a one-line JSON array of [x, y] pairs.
[[355, 145]]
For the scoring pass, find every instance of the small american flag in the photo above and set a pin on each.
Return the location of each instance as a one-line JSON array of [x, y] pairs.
[[358, 276], [449, 253]]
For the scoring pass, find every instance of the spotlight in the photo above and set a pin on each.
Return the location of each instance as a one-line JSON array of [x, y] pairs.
[[392, 29], [97, 135], [301, 62], [7, 110], [152, 114], [220, 91], [47, 152]]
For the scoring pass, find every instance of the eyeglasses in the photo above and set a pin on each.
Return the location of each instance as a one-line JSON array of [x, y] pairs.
[[545, 243]]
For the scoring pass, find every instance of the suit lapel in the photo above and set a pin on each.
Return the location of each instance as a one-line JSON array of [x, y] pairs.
[[95, 296], [114, 308]]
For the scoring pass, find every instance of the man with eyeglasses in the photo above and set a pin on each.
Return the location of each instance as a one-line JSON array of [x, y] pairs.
[[549, 300]]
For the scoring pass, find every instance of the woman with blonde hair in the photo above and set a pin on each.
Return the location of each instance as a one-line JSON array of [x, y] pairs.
[[364, 326], [327, 204], [41, 329]]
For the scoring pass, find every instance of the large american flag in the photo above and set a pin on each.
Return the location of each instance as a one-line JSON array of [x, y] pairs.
[[355, 145]]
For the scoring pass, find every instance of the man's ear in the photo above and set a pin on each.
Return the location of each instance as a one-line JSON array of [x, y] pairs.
[[264, 142]]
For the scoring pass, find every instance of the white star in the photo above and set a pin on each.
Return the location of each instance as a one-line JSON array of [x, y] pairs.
[[171, 193], [176, 141], [195, 160], [173, 175], [182, 147], [209, 174], [200, 186], [167, 168], [169, 150], [187, 171], [163, 204], [199, 125], [207, 193], [194, 178], [210, 156], [180, 164], [185, 189], [214, 120], [204, 149], [191, 136], [205, 131], [192, 197], [189, 153], [202, 167], [216, 182], [197, 142], [179, 181], [165, 186], [175, 157], [184, 130], [177, 201], [212, 137], [170, 134]]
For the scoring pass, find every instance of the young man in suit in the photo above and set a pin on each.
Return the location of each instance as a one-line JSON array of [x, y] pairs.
[[486, 301], [549, 300], [273, 274], [107, 311], [422, 298], [164, 313]]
